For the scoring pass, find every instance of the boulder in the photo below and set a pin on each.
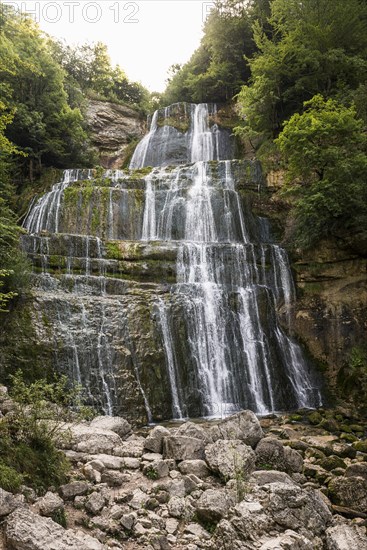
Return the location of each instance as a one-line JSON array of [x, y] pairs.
[[350, 492], [73, 489], [345, 537], [270, 453], [196, 467], [357, 470], [295, 508], [50, 504], [214, 504], [113, 478], [156, 469], [243, 425], [89, 439], [183, 447], [102, 461], [190, 429], [263, 477], [132, 447], [288, 541], [230, 458], [8, 502], [115, 424], [154, 441], [95, 503], [25, 530]]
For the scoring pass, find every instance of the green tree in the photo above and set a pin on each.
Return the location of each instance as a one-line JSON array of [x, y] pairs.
[[325, 150], [44, 125], [217, 69], [314, 46]]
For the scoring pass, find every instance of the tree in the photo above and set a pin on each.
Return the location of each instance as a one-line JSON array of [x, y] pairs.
[[314, 46], [217, 69], [325, 150]]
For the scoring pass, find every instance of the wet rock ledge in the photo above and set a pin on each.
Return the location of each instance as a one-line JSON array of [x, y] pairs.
[[240, 483]]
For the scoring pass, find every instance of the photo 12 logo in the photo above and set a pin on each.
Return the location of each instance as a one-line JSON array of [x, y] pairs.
[[72, 11], [207, 8]]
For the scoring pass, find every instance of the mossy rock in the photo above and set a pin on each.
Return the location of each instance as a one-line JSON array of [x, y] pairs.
[[315, 418], [311, 452], [358, 428], [360, 446], [295, 418], [350, 438], [345, 428], [331, 462], [330, 425]]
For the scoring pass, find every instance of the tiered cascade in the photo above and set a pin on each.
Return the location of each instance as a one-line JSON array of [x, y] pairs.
[[162, 291]]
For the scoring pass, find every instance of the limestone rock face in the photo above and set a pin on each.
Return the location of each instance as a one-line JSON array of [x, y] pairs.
[[154, 441], [27, 531], [113, 127], [230, 458], [214, 504]]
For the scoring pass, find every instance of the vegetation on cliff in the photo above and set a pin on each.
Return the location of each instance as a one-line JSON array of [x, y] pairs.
[[298, 71]]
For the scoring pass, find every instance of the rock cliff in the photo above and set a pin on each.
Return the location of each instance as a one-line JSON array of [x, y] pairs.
[[114, 130]]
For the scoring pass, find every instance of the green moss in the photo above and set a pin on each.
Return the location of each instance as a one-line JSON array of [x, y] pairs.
[[113, 250], [181, 125]]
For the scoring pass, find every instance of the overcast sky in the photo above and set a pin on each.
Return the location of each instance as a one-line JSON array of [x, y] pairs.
[[144, 37]]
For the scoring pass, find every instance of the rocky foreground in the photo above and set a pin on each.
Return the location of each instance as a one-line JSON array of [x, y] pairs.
[[232, 484]]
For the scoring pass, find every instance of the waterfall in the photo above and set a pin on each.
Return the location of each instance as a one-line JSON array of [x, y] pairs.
[[229, 286], [158, 290]]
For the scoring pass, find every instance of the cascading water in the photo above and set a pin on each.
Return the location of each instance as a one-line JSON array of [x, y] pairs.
[[161, 293], [236, 353]]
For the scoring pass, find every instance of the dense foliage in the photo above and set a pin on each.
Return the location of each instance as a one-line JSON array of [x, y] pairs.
[[325, 150], [217, 69], [314, 47], [32, 431], [89, 73]]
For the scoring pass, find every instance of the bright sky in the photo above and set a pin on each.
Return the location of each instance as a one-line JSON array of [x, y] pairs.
[[144, 37]]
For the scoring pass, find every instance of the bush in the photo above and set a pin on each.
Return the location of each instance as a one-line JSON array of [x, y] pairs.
[[29, 435], [10, 479]]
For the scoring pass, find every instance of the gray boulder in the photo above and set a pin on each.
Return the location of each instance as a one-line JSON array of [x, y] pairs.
[[73, 489], [357, 470], [271, 453], [346, 537], [183, 447], [50, 504], [25, 530], [214, 504], [243, 425], [230, 458], [196, 467], [298, 509], [350, 492], [95, 503], [89, 439], [190, 429], [154, 441], [115, 424], [288, 541], [264, 477], [8, 502]]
